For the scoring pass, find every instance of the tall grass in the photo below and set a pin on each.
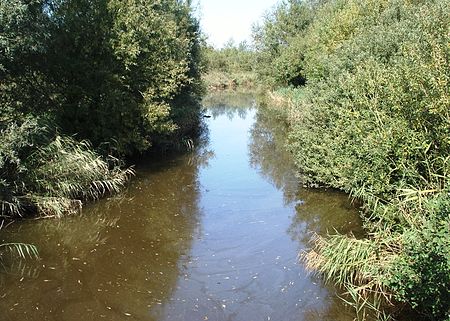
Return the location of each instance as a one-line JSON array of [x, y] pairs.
[[406, 261], [52, 175]]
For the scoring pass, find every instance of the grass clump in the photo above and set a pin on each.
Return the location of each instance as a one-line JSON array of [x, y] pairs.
[[401, 263], [51, 175]]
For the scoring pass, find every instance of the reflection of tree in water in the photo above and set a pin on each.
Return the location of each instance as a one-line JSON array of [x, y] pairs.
[[319, 211], [202, 153], [268, 154], [324, 211], [230, 104], [120, 257]]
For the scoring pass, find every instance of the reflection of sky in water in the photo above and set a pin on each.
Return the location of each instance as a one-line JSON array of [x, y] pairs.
[[212, 235], [245, 260]]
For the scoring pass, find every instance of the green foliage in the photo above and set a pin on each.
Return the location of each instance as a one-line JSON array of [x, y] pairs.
[[231, 58], [230, 66], [161, 53], [279, 43], [383, 116], [373, 120], [421, 273], [118, 73], [51, 175]]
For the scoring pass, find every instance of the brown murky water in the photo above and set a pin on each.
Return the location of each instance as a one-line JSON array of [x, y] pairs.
[[210, 235]]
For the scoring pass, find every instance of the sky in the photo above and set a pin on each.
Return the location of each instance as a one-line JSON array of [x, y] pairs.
[[225, 19]]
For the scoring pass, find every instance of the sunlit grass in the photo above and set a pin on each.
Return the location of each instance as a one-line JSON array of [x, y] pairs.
[[56, 176]]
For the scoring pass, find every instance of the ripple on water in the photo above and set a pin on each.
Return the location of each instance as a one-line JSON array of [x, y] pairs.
[[209, 235]]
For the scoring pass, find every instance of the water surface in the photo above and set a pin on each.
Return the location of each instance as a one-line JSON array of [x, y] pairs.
[[209, 235]]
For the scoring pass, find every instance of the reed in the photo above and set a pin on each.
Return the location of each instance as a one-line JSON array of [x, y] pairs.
[[53, 176]]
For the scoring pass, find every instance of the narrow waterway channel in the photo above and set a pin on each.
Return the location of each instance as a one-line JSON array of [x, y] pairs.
[[213, 234]]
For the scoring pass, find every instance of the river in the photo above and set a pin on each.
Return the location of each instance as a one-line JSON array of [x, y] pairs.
[[212, 234]]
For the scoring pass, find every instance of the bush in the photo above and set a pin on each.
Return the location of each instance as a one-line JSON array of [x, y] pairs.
[[373, 106], [373, 120], [421, 273], [279, 43]]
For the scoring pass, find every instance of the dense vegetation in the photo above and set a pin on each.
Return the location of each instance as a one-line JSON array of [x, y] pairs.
[[366, 91], [84, 83], [82, 80], [230, 67], [279, 43]]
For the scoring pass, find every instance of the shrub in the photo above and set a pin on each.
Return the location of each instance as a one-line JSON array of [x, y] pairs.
[[279, 43], [373, 120]]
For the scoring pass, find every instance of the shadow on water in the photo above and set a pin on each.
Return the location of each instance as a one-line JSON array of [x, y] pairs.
[[317, 210], [118, 260], [209, 235]]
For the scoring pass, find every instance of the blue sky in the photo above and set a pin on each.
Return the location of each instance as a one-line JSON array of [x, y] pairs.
[[225, 19]]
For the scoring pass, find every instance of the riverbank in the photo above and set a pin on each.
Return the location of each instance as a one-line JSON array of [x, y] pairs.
[[216, 81], [74, 108], [364, 85], [407, 249]]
